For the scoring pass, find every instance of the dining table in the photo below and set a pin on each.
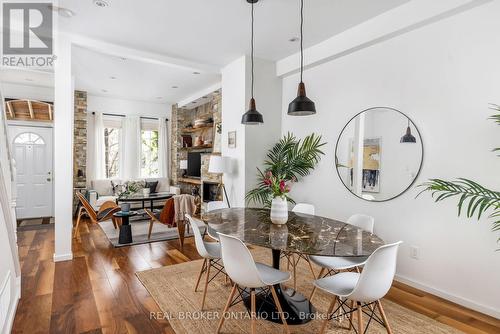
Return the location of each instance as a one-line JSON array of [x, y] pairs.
[[303, 234]]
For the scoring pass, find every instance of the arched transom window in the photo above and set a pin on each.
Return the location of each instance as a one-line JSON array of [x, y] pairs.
[[29, 138]]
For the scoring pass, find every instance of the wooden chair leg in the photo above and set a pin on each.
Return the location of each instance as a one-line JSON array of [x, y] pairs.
[[206, 284], [181, 230], [294, 264], [382, 313], [150, 228], [280, 310], [252, 310], [80, 214], [359, 314], [328, 313], [226, 308], [314, 286], [351, 315], [310, 267], [201, 273]]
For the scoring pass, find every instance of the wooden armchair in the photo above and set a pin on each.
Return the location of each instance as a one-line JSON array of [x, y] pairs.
[[104, 213]]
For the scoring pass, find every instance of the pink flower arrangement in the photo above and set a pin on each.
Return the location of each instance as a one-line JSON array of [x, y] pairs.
[[279, 186]]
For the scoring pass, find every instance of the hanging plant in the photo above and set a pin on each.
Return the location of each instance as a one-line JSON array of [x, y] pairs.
[[289, 159]]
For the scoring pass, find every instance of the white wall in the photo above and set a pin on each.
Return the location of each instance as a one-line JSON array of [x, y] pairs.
[[252, 141], [442, 76], [19, 91]]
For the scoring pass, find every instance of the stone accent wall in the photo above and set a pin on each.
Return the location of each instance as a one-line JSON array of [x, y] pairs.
[[181, 118], [80, 141]]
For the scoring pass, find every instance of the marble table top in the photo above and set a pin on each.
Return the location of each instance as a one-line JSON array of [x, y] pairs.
[[303, 233]]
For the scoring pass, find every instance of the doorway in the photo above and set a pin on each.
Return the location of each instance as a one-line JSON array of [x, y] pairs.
[[32, 151]]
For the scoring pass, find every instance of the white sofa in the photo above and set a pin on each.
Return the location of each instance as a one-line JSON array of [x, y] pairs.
[[102, 191]]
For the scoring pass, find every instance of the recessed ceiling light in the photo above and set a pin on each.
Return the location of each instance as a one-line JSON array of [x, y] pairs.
[[29, 79], [294, 39], [104, 90], [159, 97], [205, 97], [122, 58], [196, 72], [112, 78], [194, 102], [101, 3], [174, 87]]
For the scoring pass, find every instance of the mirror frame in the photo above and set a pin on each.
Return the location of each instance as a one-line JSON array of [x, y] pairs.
[[419, 167]]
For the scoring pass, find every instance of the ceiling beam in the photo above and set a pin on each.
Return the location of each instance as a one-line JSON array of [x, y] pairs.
[[10, 109], [403, 19], [140, 55], [50, 112], [30, 107], [185, 102]]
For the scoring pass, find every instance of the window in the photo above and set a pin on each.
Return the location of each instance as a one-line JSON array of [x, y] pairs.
[[149, 153], [29, 138], [112, 151]]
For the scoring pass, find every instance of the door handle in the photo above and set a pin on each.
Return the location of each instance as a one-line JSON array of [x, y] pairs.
[[49, 179]]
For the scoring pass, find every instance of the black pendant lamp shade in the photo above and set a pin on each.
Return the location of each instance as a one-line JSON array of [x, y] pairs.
[[252, 116], [408, 137], [301, 105]]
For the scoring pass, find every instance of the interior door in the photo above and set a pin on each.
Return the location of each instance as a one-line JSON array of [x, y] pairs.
[[32, 151]]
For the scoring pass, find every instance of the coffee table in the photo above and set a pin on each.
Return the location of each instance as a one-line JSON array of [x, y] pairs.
[[140, 197]]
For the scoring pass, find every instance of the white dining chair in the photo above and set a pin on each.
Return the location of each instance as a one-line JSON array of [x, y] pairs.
[[211, 254], [362, 290], [333, 265], [292, 258], [216, 205], [245, 273]]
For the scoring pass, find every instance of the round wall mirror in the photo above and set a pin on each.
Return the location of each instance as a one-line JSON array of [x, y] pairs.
[[379, 154]]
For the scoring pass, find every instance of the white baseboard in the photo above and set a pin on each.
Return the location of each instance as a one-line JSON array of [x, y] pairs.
[[63, 257], [12, 312], [453, 298]]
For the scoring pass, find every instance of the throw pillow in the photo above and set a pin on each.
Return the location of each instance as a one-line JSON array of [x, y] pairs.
[[152, 186]]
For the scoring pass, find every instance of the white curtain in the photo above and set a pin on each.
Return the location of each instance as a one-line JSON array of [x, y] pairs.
[[99, 171], [163, 153], [130, 148]]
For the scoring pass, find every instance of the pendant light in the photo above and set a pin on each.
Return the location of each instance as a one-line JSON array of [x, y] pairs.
[[302, 105], [408, 137], [252, 116]]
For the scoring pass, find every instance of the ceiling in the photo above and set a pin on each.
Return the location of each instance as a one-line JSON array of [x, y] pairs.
[[105, 75], [217, 31], [205, 32]]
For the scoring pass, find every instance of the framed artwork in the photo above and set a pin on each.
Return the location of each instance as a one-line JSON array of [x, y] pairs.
[[231, 139]]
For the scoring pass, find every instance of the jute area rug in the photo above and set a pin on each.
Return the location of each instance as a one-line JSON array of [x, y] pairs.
[[172, 287]]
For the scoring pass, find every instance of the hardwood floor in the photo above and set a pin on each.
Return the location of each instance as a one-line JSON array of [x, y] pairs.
[[98, 291]]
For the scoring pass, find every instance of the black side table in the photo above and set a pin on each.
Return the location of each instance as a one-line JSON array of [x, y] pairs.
[[125, 228]]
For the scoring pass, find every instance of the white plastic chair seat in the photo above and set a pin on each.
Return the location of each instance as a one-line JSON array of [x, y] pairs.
[[341, 284], [213, 250], [338, 263], [270, 275]]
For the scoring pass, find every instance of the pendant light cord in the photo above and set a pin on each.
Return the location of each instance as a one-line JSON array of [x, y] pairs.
[[252, 47], [301, 39]]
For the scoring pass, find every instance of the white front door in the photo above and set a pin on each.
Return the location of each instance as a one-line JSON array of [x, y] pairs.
[[32, 151]]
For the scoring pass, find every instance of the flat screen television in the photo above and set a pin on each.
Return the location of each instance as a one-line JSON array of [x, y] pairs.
[[194, 164]]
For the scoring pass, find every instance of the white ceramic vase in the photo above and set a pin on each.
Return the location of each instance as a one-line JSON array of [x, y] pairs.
[[279, 210]]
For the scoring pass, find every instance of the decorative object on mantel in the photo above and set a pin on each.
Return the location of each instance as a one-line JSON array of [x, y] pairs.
[[408, 137], [290, 158], [187, 141], [219, 165], [478, 199], [198, 141], [301, 105], [280, 189], [183, 165], [370, 162], [231, 139], [252, 116]]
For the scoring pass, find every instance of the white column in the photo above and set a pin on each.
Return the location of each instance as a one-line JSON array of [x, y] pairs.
[[358, 148], [63, 150]]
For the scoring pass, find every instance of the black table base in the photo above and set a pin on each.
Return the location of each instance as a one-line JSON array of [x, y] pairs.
[[125, 234], [297, 308]]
